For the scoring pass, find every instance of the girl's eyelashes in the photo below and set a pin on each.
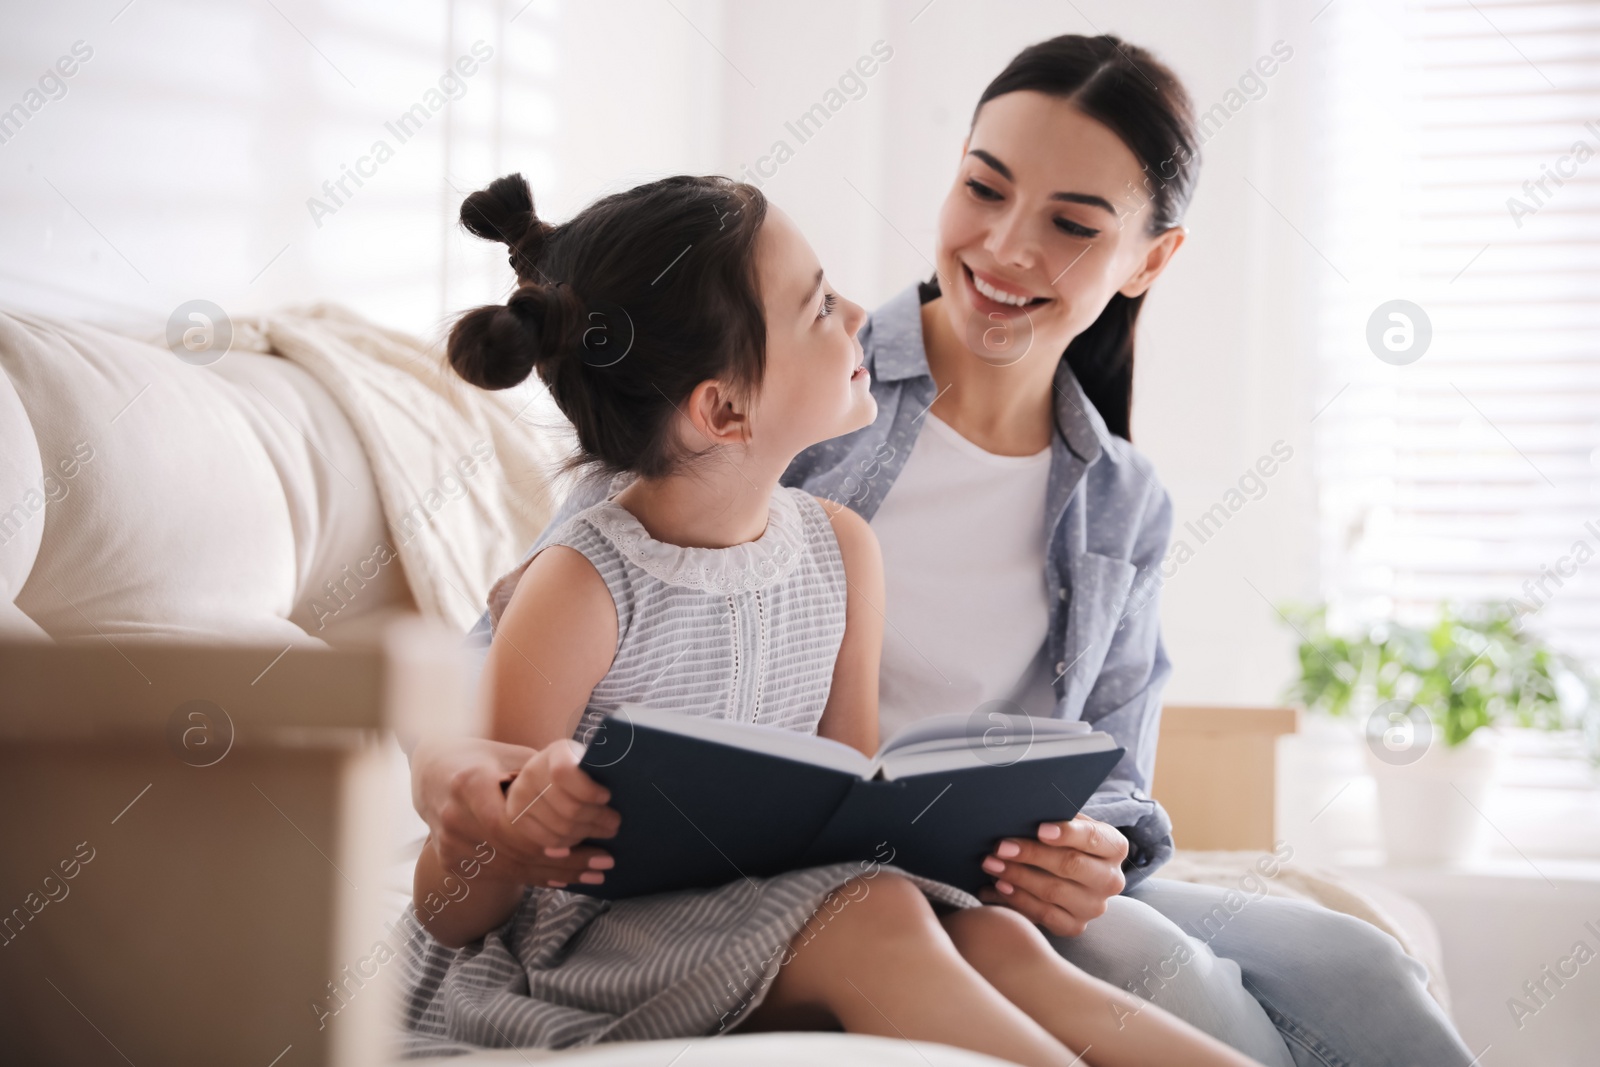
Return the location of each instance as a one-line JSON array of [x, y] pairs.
[[829, 302]]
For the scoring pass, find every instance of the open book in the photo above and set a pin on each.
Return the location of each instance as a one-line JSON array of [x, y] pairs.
[[707, 801]]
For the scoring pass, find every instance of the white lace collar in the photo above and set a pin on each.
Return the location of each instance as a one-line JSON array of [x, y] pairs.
[[739, 568]]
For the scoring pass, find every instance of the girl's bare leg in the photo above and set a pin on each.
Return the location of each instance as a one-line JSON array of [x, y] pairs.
[[1111, 1027], [882, 964]]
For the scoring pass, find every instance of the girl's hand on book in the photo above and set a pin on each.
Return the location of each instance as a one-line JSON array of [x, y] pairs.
[[1062, 880], [554, 805], [458, 787]]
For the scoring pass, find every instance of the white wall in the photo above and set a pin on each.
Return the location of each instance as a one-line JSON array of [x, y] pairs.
[[184, 152], [1224, 367]]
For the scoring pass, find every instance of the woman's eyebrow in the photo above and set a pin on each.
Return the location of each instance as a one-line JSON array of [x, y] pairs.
[[816, 283], [1086, 198], [1072, 198]]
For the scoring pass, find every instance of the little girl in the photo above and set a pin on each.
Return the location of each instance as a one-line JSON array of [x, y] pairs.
[[687, 331]]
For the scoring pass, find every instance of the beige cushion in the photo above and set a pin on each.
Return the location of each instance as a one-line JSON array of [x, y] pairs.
[[207, 503]]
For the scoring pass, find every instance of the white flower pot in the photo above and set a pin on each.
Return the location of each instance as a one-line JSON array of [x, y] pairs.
[[1316, 806], [1433, 808]]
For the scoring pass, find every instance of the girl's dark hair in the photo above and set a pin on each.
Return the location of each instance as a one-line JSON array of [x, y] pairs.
[[1139, 99], [623, 310]]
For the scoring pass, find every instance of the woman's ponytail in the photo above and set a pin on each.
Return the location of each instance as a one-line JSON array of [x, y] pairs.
[[1101, 358]]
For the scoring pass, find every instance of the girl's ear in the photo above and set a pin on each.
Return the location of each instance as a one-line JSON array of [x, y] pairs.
[[1156, 258], [718, 417]]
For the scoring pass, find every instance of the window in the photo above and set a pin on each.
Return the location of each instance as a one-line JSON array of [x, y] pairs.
[[1464, 178], [264, 154]]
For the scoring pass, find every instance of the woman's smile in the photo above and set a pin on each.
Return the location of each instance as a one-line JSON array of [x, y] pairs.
[[990, 294]]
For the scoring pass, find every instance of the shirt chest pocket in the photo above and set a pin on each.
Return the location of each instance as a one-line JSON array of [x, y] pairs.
[[1098, 594]]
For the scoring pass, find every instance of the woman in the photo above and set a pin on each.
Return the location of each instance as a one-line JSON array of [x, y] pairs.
[[999, 454]]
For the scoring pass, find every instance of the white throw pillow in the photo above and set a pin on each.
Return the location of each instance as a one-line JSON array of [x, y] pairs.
[[346, 566], [25, 491], [204, 503]]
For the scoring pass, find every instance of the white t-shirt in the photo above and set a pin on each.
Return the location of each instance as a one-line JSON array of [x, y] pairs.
[[963, 536]]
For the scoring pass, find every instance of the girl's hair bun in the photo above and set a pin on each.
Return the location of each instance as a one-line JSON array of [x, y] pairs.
[[499, 345], [622, 311], [504, 212]]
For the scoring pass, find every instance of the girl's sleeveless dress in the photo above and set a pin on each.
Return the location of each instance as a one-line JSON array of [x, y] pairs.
[[749, 633]]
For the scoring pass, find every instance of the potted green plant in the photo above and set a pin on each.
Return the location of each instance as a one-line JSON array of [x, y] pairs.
[[1427, 699]]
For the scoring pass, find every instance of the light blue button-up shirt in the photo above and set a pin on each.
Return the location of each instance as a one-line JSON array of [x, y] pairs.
[[1109, 522]]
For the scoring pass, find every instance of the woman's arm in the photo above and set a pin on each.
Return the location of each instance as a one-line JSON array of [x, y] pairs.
[[555, 642], [851, 714]]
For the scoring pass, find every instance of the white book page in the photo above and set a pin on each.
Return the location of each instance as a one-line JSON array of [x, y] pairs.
[[938, 743], [957, 728], [993, 730], [925, 759], [752, 737]]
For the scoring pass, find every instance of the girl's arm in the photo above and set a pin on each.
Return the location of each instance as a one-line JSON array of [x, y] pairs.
[[556, 640], [456, 781], [554, 643], [851, 714]]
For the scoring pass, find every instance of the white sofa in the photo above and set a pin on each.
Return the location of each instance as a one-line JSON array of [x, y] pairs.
[[143, 497]]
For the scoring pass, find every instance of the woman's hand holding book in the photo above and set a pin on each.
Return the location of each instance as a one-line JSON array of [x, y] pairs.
[[1063, 880]]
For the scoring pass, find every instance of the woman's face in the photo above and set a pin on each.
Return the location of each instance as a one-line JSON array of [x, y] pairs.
[[1049, 216], [816, 385]]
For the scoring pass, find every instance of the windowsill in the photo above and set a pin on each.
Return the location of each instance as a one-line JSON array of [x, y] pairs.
[[1544, 810], [1543, 814], [1371, 862]]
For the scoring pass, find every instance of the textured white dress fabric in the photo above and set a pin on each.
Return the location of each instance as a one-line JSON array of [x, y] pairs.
[[963, 537], [749, 632]]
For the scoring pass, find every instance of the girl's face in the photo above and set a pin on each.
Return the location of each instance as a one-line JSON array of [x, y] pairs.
[[816, 385], [1049, 216]]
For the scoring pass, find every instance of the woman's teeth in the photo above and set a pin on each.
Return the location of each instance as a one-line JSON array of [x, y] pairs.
[[999, 296]]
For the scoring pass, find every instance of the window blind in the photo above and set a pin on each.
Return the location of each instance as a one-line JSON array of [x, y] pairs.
[[1463, 176], [264, 154]]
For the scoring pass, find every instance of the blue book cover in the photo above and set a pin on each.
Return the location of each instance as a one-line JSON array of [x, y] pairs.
[[707, 801]]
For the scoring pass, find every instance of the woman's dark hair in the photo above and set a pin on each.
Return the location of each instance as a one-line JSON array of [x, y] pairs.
[[1136, 97], [622, 310]]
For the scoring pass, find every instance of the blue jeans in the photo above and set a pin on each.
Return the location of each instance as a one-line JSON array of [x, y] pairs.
[[1287, 982]]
